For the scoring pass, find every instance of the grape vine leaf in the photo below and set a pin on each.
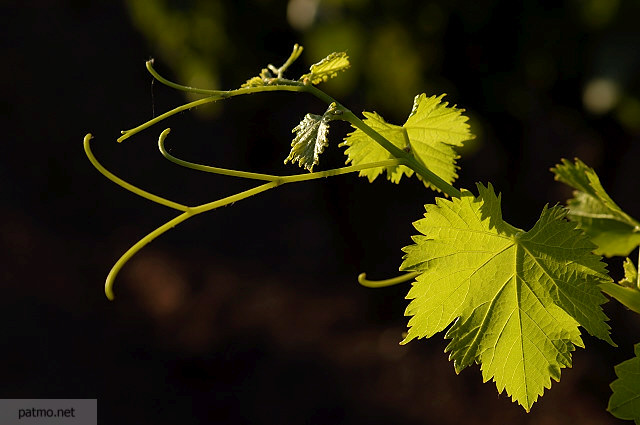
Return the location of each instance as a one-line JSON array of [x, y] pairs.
[[310, 140], [515, 298], [625, 400], [430, 133], [327, 68], [611, 229]]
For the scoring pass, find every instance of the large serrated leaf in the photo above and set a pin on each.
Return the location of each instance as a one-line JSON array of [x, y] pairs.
[[625, 400], [430, 134], [516, 299], [614, 231], [327, 68]]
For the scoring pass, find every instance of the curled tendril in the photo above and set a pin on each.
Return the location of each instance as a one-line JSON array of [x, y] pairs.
[[188, 212], [295, 54], [131, 188], [206, 168], [362, 280]]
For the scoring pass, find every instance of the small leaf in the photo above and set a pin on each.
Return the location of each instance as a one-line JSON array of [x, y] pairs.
[[310, 140], [253, 82], [262, 80], [515, 298], [625, 400], [327, 68], [627, 291], [630, 275], [615, 232], [430, 133]]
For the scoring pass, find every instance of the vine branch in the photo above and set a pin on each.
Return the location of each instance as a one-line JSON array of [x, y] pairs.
[[278, 83], [281, 84]]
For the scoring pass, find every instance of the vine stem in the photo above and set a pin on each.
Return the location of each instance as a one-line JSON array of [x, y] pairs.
[[280, 84], [270, 84]]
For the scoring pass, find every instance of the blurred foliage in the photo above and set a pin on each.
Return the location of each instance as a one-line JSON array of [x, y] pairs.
[[402, 48], [188, 35], [597, 13]]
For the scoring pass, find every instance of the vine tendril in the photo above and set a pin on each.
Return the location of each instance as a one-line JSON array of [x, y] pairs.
[[188, 212], [274, 84], [362, 280]]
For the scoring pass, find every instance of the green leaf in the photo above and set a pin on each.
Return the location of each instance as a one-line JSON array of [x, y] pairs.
[[310, 140], [430, 133], [327, 68], [610, 228], [625, 400], [515, 298]]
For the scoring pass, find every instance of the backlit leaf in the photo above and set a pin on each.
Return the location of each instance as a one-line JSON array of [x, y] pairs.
[[430, 134], [515, 298], [625, 400], [610, 228]]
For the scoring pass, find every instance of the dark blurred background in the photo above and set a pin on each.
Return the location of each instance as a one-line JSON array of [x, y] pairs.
[[252, 313]]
